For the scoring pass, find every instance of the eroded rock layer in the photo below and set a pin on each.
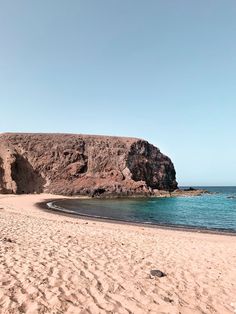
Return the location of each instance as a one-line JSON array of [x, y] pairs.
[[82, 164]]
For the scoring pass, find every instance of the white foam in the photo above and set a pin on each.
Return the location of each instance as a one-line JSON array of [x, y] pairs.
[[55, 207]]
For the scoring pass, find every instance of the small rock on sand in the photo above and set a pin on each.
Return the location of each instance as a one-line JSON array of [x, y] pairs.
[[156, 273]]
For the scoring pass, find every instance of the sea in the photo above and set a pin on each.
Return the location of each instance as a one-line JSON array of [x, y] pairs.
[[215, 211]]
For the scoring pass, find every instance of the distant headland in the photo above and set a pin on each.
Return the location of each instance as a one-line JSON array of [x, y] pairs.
[[91, 165], [82, 165]]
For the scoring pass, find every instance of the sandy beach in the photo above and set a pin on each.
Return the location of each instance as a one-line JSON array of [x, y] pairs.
[[51, 263]]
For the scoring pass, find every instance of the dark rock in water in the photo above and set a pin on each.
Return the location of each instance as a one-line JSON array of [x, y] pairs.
[[157, 273], [90, 165], [232, 197], [189, 189]]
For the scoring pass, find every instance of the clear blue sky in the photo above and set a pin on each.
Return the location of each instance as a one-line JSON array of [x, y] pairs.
[[157, 69]]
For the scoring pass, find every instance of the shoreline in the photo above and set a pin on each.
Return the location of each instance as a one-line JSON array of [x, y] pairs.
[[44, 206], [56, 263]]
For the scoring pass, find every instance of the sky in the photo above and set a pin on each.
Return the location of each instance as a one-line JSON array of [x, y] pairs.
[[161, 70]]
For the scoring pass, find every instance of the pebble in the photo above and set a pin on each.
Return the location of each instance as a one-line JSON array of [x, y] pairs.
[[157, 273]]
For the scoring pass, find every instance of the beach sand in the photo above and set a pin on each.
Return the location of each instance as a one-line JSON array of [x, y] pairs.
[[50, 263]]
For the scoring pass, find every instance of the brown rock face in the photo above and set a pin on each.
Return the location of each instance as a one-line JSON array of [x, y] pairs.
[[82, 164]]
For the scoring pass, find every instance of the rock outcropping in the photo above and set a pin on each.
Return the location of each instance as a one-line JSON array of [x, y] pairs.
[[82, 165]]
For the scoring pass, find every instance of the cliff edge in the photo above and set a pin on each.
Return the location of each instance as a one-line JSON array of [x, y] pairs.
[[92, 165]]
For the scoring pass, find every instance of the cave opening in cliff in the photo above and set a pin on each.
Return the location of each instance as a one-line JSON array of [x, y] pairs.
[[26, 178]]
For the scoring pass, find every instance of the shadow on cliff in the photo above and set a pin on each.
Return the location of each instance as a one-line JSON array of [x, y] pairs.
[[1, 176], [26, 178]]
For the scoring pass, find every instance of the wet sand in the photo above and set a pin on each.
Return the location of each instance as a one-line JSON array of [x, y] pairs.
[[51, 263]]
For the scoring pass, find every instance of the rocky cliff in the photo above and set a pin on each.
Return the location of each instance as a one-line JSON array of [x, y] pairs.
[[82, 164]]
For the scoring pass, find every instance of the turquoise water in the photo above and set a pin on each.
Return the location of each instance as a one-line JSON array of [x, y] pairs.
[[214, 211]]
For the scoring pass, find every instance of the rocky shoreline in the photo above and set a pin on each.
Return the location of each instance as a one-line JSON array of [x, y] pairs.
[[181, 193], [158, 193]]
